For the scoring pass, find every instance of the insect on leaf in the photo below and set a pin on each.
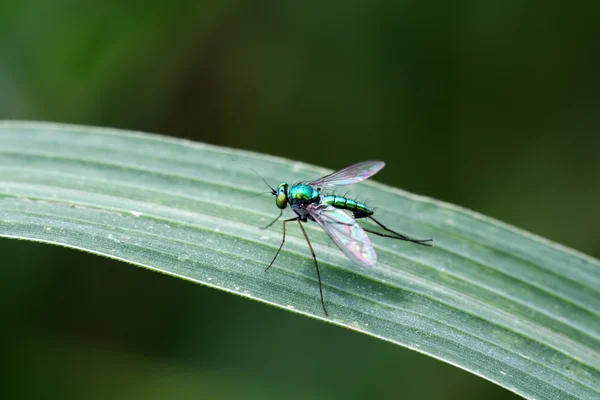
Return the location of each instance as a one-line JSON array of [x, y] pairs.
[[507, 305]]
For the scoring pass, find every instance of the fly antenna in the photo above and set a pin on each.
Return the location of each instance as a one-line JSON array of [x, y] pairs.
[[273, 191], [259, 194]]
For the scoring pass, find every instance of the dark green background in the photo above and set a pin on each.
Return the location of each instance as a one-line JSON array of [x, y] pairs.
[[489, 105]]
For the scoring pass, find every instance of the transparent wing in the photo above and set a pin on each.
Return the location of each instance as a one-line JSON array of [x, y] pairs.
[[349, 175], [345, 232]]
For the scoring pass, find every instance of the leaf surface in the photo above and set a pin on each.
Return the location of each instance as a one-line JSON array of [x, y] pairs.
[[497, 301]]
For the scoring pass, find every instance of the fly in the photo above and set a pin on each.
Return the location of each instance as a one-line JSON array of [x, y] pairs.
[[336, 215]]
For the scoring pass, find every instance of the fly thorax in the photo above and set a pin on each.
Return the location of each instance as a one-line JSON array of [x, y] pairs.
[[303, 194]]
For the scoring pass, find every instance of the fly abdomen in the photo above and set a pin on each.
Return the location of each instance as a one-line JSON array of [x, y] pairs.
[[359, 210]]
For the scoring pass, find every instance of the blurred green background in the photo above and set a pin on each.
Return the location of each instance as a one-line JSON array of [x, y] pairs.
[[488, 105]]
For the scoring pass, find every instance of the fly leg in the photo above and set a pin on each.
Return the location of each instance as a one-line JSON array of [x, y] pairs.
[[283, 240], [397, 235], [275, 220], [311, 251], [316, 266]]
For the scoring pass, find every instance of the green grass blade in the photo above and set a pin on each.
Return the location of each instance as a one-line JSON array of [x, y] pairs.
[[499, 302]]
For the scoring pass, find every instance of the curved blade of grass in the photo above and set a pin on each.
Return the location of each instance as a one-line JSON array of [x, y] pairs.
[[499, 302]]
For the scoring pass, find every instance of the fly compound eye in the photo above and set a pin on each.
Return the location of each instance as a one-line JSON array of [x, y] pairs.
[[281, 198]]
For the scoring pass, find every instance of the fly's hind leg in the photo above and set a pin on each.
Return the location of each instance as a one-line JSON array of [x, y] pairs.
[[423, 242]]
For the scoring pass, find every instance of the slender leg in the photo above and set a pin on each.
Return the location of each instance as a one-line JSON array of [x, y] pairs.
[[282, 240], [381, 234], [316, 265], [397, 235], [275, 220], [311, 251]]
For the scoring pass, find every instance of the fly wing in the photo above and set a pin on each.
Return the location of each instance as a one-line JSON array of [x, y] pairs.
[[345, 232], [349, 175]]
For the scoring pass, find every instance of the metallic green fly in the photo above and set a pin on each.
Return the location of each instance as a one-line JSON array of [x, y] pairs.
[[336, 215]]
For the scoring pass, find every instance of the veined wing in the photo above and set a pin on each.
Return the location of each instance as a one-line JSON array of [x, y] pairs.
[[345, 232], [349, 175]]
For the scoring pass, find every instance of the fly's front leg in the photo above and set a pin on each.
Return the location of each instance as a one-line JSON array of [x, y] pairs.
[[299, 219], [283, 240], [275, 220]]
